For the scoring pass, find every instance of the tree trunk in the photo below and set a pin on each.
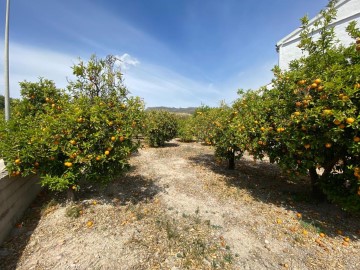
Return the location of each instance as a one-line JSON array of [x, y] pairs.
[[315, 185], [232, 161], [70, 195]]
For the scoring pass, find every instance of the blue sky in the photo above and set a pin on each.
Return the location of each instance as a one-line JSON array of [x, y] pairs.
[[175, 53]]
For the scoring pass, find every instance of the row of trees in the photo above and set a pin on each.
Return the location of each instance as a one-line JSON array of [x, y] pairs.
[[86, 133], [308, 122]]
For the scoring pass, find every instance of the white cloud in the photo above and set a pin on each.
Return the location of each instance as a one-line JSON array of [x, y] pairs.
[[157, 85], [126, 61], [31, 63], [160, 86]]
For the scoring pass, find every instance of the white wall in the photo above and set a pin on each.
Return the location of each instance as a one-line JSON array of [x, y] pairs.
[[347, 11], [16, 194]]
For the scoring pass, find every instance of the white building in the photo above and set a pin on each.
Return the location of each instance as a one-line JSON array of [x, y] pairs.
[[347, 11]]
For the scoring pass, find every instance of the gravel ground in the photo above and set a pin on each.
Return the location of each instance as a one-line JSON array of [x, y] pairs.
[[178, 208]]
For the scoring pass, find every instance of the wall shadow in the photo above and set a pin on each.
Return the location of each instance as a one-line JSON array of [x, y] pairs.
[[266, 183], [14, 245], [128, 189]]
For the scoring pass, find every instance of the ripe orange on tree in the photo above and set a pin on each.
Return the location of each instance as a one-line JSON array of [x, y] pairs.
[[350, 120], [328, 145]]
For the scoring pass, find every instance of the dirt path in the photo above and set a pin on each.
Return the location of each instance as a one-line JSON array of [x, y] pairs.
[[178, 209]]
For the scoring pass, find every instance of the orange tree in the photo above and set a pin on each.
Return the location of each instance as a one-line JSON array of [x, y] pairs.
[[223, 135], [160, 127], [214, 126], [84, 135], [252, 122], [203, 120], [21, 138], [309, 121], [185, 125]]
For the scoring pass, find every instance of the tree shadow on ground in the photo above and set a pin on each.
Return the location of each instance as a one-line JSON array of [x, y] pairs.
[[170, 144], [14, 245], [166, 145], [266, 183], [129, 189]]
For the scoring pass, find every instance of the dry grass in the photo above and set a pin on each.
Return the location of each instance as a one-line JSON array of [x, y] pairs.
[[179, 209]]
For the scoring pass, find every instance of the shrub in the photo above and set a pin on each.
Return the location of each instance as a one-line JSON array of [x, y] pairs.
[[185, 125], [310, 119], [160, 127], [86, 135]]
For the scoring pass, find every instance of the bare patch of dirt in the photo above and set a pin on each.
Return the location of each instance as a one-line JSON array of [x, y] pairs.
[[179, 209]]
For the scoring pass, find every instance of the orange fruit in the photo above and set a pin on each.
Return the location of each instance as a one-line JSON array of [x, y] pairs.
[[98, 158], [299, 215], [314, 85], [17, 161], [356, 139], [302, 82], [327, 112], [89, 224], [107, 152], [307, 146], [68, 164], [350, 120], [337, 122], [72, 142], [328, 145], [113, 138], [317, 81], [121, 138], [322, 234], [320, 88]]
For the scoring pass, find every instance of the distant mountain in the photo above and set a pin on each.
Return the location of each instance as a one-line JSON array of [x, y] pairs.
[[189, 110]]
